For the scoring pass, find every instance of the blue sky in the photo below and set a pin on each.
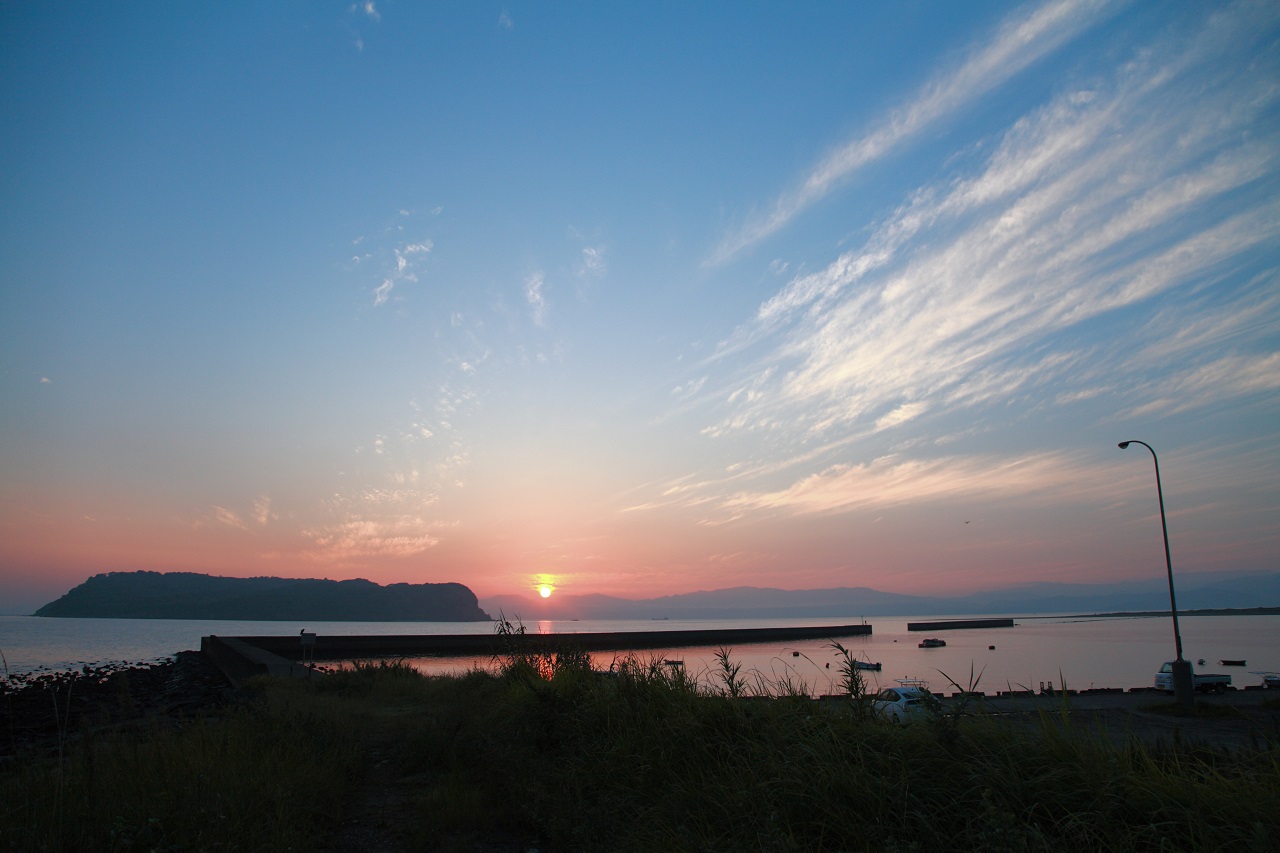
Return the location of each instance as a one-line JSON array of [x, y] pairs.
[[638, 301]]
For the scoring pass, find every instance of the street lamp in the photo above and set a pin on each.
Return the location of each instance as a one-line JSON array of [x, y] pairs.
[[1183, 691]]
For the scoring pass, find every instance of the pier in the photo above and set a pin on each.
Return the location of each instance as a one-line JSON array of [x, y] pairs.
[[959, 624]]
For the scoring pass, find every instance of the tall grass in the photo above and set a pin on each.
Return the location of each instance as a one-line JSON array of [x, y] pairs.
[[546, 752], [210, 785]]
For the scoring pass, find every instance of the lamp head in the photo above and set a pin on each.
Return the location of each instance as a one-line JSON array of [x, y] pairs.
[[1123, 445]]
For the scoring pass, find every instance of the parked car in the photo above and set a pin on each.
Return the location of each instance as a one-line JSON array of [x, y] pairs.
[[903, 703]]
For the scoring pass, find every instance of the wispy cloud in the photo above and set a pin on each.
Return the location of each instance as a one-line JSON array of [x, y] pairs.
[[356, 540], [403, 269], [592, 261], [890, 481], [901, 415], [259, 515], [368, 10], [1223, 379], [1111, 233], [262, 510], [1087, 207], [377, 522], [1027, 36], [229, 518], [534, 296]]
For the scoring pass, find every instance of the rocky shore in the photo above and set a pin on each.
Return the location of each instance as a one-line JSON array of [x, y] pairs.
[[38, 711]]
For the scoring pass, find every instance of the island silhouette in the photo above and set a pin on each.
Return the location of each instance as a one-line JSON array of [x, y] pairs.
[[189, 595]]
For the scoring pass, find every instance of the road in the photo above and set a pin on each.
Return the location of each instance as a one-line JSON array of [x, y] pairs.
[[1238, 719]]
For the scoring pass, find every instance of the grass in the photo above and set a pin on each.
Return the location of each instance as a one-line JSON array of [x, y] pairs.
[[546, 751], [1199, 711]]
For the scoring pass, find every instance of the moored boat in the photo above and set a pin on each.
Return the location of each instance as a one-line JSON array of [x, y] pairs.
[[861, 664], [1231, 662], [932, 643], [1270, 680]]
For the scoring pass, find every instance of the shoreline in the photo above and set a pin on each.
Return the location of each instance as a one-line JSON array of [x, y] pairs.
[[121, 697], [1165, 614]]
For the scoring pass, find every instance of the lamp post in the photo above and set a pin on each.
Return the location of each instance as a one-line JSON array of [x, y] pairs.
[[1183, 691]]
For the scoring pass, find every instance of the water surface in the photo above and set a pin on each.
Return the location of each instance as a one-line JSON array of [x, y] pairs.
[[1083, 652]]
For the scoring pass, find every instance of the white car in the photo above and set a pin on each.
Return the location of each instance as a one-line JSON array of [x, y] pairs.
[[903, 704]]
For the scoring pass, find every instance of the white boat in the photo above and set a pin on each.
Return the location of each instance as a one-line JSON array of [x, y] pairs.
[[1270, 680], [862, 664]]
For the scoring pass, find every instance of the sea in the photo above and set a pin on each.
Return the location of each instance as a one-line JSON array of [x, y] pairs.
[[1062, 650]]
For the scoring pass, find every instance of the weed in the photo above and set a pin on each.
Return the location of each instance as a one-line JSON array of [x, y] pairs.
[[728, 673], [947, 718], [852, 682]]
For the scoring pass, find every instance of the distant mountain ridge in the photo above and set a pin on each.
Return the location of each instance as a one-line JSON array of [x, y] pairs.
[[1200, 590], [188, 595]]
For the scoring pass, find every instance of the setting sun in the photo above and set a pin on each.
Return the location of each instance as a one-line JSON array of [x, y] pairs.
[[545, 590]]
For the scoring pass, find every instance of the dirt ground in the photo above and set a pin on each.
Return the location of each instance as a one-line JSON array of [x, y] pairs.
[[1237, 720]]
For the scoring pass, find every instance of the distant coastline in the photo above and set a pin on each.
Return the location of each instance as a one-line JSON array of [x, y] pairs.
[[1142, 614], [1198, 592]]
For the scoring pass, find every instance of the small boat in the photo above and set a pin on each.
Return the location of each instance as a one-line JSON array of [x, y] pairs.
[[932, 643], [1270, 680], [1231, 662], [861, 664]]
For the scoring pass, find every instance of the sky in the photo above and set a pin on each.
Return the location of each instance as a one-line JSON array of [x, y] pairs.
[[638, 299]]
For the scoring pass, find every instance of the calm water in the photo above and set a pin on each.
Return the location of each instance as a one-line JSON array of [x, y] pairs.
[[1083, 651]]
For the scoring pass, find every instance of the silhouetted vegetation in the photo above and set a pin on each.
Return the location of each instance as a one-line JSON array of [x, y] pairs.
[[546, 752]]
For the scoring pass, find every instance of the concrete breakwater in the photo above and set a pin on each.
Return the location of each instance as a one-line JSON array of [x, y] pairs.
[[338, 647], [240, 657], [958, 624]]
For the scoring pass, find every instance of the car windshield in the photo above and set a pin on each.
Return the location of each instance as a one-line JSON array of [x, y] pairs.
[[1168, 667]]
